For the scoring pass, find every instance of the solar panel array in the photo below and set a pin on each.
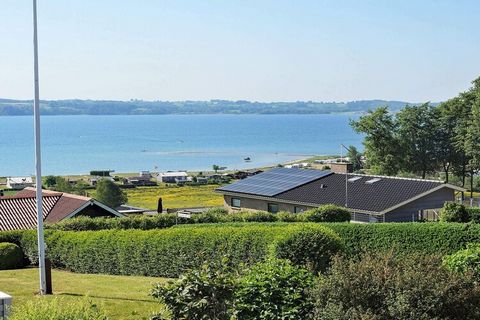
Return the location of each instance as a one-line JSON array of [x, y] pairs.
[[275, 181]]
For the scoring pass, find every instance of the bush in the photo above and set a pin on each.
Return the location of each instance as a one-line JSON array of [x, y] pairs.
[[391, 287], [310, 247], [166, 252], [274, 290], [206, 293], [474, 214], [57, 309], [11, 256], [271, 290], [454, 212], [465, 261], [326, 213]]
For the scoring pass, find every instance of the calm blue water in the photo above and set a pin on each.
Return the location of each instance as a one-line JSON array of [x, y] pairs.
[[78, 144]]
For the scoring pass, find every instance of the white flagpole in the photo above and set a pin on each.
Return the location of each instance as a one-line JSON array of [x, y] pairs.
[[38, 162]]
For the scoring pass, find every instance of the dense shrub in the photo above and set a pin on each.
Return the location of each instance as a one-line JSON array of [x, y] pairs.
[[442, 238], [271, 290], [465, 261], [11, 236], [389, 287], [166, 252], [57, 309], [454, 212], [274, 290], [310, 247], [205, 293], [11, 256], [326, 213], [474, 214]]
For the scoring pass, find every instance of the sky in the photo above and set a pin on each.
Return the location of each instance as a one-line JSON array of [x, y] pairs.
[[258, 50]]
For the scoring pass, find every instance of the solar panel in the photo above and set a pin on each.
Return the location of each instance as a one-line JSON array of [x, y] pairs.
[[275, 181]]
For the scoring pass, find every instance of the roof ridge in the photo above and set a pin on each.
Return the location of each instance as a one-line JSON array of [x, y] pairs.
[[58, 194], [76, 196], [46, 193], [391, 177]]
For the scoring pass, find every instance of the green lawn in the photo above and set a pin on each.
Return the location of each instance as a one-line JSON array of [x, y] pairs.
[[122, 297]]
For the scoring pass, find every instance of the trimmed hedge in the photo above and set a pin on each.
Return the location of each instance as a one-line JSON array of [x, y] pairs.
[[327, 213], [411, 237], [170, 252], [11, 256]]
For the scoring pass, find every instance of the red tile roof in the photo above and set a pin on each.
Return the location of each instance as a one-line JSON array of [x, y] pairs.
[[20, 211]]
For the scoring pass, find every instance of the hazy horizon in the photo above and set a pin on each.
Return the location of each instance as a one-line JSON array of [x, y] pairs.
[[267, 51]]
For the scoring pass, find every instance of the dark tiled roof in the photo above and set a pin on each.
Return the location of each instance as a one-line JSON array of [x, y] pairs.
[[373, 197]]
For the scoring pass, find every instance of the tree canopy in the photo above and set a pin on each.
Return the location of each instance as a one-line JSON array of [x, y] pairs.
[[109, 193]]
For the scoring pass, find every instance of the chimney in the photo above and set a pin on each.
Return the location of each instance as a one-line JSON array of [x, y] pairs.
[[341, 167], [160, 205]]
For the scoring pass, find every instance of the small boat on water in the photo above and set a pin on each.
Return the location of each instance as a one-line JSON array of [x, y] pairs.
[[247, 159]]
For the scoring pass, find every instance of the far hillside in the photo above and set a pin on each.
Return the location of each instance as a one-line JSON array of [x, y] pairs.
[[9, 107]]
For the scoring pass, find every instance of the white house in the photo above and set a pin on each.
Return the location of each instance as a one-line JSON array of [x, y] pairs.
[[19, 183], [173, 176]]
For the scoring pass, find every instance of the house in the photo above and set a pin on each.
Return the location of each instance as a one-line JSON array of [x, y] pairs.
[[173, 177], [19, 183], [127, 209], [369, 198], [143, 179], [20, 211], [93, 181], [237, 175]]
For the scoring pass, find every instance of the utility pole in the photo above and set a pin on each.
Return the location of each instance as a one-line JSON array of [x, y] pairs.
[[346, 178], [38, 162]]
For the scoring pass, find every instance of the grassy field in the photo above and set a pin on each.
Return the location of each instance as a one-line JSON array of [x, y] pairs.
[[173, 196], [122, 297]]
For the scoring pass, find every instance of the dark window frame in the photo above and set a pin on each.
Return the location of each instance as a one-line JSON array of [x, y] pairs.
[[300, 209], [269, 207], [239, 202]]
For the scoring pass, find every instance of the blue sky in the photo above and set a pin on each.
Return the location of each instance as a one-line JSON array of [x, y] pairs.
[[254, 50]]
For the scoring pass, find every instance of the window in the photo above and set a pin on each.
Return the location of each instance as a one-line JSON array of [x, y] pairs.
[[298, 209], [354, 179], [272, 207], [236, 202], [373, 180]]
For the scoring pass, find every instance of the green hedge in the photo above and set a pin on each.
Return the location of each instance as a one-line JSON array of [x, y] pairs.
[[442, 238], [169, 252], [327, 213]]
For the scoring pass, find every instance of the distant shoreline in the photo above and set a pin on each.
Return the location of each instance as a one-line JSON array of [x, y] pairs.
[[127, 174], [10, 107]]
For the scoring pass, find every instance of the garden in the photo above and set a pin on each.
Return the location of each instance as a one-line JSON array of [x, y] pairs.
[[256, 265]]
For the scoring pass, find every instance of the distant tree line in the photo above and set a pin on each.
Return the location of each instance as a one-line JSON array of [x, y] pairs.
[[425, 139], [140, 107]]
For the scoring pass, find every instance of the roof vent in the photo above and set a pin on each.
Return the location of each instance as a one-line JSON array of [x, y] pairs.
[[354, 179], [371, 181]]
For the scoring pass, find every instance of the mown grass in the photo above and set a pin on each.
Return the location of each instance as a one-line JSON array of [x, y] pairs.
[[121, 297]]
